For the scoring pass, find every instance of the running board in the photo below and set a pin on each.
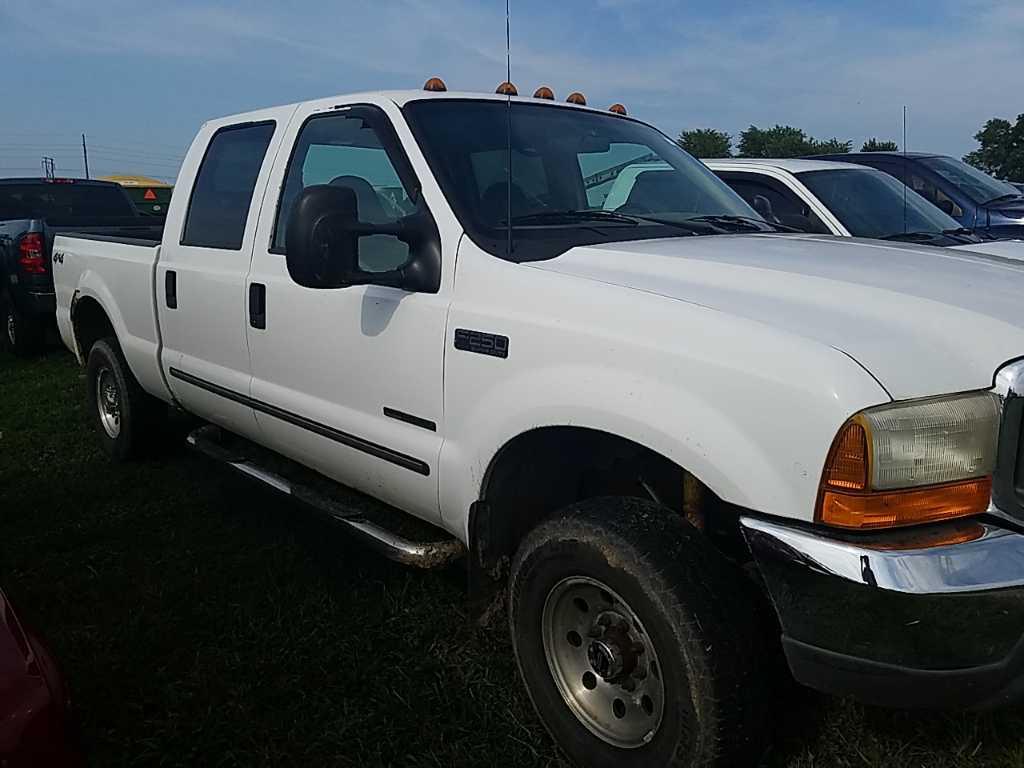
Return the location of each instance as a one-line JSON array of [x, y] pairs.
[[372, 522]]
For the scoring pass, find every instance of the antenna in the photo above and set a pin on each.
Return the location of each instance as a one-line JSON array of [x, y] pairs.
[[904, 169], [85, 156], [508, 130]]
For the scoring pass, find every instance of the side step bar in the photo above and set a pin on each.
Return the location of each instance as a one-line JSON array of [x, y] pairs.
[[244, 458]]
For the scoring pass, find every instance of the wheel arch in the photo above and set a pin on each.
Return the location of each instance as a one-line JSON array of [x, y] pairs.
[[90, 322], [543, 469]]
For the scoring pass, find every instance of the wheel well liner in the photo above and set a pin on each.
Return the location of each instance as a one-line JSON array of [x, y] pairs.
[[90, 323]]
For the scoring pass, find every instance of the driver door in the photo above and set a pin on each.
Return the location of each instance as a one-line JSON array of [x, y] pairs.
[[349, 380]]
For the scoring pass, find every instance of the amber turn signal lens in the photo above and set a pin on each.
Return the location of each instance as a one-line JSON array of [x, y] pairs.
[[507, 89], [435, 84], [847, 465], [895, 508], [618, 109], [577, 98], [544, 93]]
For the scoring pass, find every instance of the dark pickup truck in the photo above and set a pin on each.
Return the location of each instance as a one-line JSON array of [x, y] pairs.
[[32, 212]]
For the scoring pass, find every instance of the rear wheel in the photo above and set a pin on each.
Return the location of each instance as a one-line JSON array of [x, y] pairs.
[[20, 335], [126, 417], [639, 644]]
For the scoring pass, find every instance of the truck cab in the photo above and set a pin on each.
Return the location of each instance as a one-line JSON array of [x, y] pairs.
[[672, 440]]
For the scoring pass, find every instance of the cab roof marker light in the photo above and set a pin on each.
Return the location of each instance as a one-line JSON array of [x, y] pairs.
[[618, 109], [544, 93], [507, 89], [435, 84], [577, 98]]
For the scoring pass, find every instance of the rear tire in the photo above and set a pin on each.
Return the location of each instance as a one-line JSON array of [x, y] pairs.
[[661, 656], [127, 419], [19, 335]]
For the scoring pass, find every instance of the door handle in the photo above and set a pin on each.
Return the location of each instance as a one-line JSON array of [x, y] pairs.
[[257, 305], [171, 288]]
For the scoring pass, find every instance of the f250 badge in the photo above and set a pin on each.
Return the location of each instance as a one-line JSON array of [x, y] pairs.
[[481, 343], [58, 257]]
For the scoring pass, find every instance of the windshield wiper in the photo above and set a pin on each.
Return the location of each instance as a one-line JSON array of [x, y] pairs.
[[1000, 198], [553, 217], [913, 236], [570, 216], [749, 221]]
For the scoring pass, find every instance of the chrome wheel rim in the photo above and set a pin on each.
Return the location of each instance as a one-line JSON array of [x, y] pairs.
[[108, 402], [603, 662]]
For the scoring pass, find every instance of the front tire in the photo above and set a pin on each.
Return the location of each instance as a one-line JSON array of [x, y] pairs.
[[126, 418], [639, 644]]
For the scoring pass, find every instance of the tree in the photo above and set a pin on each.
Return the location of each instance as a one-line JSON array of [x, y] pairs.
[[831, 147], [706, 142], [787, 141], [874, 145], [1002, 149], [780, 141]]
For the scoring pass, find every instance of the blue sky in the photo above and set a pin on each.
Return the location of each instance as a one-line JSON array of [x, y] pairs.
[[140, 76]]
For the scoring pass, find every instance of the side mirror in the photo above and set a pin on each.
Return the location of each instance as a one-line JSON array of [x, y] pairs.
[[324, 234], [321, 242]]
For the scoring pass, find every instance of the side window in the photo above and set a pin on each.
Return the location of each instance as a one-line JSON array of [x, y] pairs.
[[926, 189], [346, 150], [786, 206], [222, 191]]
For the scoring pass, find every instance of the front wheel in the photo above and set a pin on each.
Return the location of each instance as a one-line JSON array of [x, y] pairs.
[[125, 416], [639, 644]]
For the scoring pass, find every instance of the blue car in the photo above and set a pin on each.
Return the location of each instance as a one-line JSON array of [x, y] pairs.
[[986, 206]]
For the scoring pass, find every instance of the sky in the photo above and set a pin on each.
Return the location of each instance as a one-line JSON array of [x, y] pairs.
[[138, 78]]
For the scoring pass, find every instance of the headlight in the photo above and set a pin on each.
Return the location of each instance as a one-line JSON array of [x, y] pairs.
[[912, 462]]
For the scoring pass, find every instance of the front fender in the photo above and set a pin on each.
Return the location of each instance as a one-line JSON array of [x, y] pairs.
[[755, 442], [749, 409]]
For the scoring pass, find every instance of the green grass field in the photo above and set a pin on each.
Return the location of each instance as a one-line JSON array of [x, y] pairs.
[[203, 621]]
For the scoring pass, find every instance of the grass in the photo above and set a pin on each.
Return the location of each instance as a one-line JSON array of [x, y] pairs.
[[204, 621]]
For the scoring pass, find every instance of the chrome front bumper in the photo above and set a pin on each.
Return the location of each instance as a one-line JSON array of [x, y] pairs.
[[900, 618]]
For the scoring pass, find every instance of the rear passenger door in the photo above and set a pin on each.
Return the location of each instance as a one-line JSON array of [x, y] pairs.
[[200, 281]]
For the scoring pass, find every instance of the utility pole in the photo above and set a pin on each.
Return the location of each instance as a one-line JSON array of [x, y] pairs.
[[85, 156]]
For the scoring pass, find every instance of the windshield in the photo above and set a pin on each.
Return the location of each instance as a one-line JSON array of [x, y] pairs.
[[578, 177], [978, 186], [869, 203], [63, 201]]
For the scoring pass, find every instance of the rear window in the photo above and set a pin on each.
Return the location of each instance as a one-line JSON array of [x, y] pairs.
[[224, 185], [62, 201], [150, 201]]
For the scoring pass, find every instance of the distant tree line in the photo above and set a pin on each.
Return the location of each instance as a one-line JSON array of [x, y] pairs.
[[779, 141], [1002, 149], [1001, 152]]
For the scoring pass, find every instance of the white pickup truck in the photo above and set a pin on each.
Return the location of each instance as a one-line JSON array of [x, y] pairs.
[[668, 434]]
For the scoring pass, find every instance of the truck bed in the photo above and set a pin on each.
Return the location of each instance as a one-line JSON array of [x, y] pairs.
[[100, 265]]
